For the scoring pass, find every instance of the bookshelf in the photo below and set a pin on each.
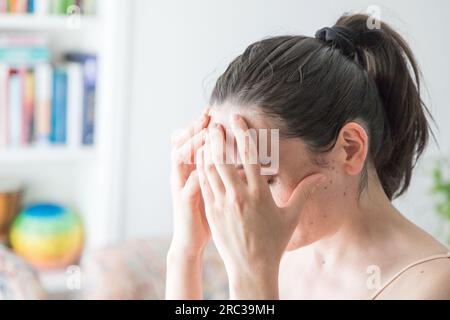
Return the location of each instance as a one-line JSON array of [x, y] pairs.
[[86, 178]]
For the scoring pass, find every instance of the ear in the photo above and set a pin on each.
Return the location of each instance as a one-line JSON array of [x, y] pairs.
[[353, 144]]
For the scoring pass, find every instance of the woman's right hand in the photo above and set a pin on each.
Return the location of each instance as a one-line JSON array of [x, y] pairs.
[[191, 231]]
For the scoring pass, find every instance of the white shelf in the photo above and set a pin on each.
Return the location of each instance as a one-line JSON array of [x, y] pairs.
[[26, 22], [46, 154]]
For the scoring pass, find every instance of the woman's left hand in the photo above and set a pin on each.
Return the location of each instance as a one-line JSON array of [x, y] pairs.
[[250, 231]]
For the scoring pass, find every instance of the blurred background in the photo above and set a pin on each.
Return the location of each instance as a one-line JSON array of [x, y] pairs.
[[91, 90]]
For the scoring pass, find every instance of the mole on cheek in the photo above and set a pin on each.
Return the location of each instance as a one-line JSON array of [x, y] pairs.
[[326, 187]]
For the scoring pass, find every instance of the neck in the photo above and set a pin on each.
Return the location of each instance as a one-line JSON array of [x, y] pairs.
[[362, 234]]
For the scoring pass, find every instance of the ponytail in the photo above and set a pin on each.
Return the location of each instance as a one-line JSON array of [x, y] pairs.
[[388, 60]]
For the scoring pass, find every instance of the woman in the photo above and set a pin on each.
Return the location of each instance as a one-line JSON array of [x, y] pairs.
[[352, 126]]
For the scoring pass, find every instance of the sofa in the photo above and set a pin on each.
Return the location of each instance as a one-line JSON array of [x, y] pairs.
[[126, 271]]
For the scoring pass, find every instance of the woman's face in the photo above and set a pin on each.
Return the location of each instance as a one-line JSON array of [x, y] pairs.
[[319, 219]]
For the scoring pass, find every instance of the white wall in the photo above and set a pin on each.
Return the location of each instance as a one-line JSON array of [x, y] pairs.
[[180, 47]]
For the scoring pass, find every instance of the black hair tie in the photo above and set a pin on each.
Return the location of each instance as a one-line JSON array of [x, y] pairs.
[[343, 38]]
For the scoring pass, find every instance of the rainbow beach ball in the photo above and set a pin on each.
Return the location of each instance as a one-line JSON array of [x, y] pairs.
[[48, 236]]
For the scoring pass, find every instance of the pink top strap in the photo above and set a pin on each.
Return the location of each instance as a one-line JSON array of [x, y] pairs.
[[398, 274]]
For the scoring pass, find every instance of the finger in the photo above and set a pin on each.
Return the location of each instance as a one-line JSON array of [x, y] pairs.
[[192, 186], [302, 193], [247, 150], [212, 175], [227, 172], [207, 194], [181, 136], [182, 157], [185, 154]]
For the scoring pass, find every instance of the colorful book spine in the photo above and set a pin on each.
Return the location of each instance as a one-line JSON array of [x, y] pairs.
[[59, 107], [3, 6], [13, 6], [4, 106], [18, 6], [89, 64], [28, 107], [30, 6], [22, 6], [57, 7], [43, 76], [15, 109]]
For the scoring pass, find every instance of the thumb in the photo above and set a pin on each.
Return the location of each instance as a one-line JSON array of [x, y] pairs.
[[305, 189]]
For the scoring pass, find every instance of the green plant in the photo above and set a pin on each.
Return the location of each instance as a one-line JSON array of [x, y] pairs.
[[441, 189]]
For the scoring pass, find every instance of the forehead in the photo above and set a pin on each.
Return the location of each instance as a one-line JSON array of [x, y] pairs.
[[255, 118]]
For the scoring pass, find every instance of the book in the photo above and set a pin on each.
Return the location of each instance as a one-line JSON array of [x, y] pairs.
[[59, 107], [3, 6], [4, 107], [75, 95], [43, 90], [41, 7], [30, 6], [55, 6], [15, 109], [18, 6], [22, 6], [28, 107], [89, 7], [89, 65]]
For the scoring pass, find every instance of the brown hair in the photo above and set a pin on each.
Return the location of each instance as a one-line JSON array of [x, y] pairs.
[[313, 87]]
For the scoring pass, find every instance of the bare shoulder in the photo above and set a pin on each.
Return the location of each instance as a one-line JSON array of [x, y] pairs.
[[434, 277], [429, 280]]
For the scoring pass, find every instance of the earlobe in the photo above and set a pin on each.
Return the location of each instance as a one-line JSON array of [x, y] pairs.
[[353, 142]]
